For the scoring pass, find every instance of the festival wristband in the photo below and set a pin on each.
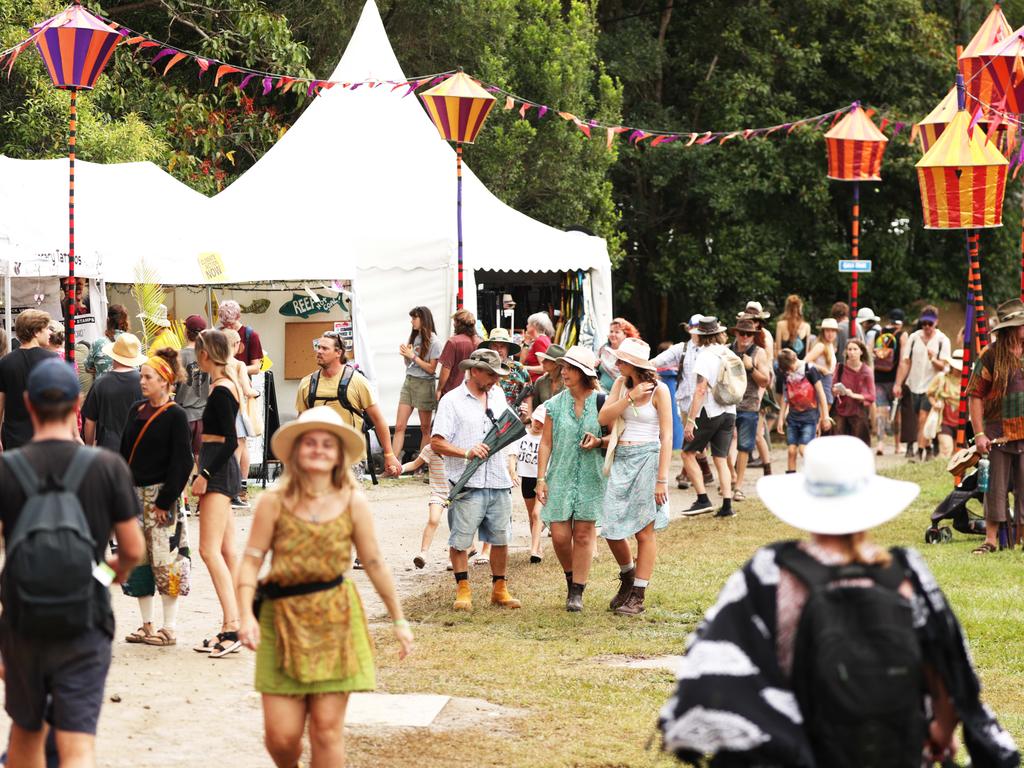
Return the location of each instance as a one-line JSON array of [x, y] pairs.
[[662, 482], [401, 623], [389, 454], [205, 473], [466, 457], [542, 480]]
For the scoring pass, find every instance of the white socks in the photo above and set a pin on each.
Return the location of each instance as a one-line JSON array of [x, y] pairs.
[[146, 609], [170, 611], [627, 567], [640, 582]]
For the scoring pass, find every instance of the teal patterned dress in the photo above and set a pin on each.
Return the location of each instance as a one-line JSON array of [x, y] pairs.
[[576, 483]]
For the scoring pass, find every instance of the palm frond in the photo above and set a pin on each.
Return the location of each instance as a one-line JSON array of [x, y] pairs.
[[149, 295]]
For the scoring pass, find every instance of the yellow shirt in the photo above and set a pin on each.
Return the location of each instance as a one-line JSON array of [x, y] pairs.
[[167, 338], [360, 395]]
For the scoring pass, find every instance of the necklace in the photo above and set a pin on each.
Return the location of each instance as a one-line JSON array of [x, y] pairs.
[[319, 494]]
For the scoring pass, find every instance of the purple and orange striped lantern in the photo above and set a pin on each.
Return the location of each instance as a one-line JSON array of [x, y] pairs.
[[855, 147], [75, 46], [458, 107], [973, 62]]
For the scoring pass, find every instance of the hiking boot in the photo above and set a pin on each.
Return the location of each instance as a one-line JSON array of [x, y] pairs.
[[699, 508], [625, 587], [634, 604], [463, 596], [501, 597], [574, 603]]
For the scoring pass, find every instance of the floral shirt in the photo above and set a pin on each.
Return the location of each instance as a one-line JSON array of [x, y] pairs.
[[514, 383], [97, 361], [575, 477]]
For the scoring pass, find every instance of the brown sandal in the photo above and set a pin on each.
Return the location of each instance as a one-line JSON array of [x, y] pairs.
[[162, 637], [138, 636], [984, 549]]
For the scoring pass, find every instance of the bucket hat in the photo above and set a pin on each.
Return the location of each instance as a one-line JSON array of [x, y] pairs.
[[581, 358], [125, 349], [866, 314], [158, 317], [1009, 314], [636, 352], [838, 492], [325, 418], [552, 353], [501, 336], [485, 359]]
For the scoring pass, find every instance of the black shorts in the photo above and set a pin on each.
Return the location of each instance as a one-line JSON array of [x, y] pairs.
[[529, 486], [716, 432], [228, 479], [71, 673]]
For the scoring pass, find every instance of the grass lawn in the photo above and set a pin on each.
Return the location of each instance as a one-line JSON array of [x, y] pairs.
[[574, 710]]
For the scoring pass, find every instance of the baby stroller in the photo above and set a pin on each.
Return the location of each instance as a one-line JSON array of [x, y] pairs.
[[954, 508]]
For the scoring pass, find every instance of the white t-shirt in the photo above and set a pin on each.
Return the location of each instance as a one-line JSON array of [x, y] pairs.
[[707, 365], [922, 372], [526, 456]]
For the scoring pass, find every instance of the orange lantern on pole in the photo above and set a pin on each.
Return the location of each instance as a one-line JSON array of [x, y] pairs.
[[75, 47], [855, 147], [981, 81], [458, 107]]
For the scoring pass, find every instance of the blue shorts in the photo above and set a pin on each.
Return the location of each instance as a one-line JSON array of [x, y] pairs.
[[487, 510], [801, 427], [883, 393], [746, 430]]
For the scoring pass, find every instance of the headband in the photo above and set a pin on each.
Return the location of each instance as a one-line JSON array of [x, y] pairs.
[[162, 367]]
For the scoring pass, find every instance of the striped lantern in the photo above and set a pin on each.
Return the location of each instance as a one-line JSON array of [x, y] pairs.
[[458, 107], [981, 83], [855, 147], [962, 179], [75, 46], [929, 129]]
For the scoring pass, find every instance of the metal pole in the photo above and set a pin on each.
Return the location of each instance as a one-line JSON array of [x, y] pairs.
[[459, 297], [69, 336], [855, 253]]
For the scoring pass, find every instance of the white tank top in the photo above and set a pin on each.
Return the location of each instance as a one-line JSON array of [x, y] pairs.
[[642, 424]]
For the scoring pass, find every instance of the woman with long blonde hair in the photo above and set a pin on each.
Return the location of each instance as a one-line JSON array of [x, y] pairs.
[[793, 331], [308, 626], [217, 482]]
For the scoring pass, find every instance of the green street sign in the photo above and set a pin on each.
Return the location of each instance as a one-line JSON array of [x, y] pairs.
[[302, 305]]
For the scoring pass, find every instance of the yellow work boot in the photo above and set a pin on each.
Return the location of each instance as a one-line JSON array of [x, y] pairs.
[[501, 597], [463, 596]]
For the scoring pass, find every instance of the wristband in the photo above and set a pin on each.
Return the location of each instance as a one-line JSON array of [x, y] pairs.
[[466, 457], [542, 480], [401, 623], [979, 434], [389, 454], [690, 420], [662, 482], [205, 473]]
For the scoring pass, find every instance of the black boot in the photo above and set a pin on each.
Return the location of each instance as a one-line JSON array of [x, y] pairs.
[[625, 587], [574, 603], [568, 584]]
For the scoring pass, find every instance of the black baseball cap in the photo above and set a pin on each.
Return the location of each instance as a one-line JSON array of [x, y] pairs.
[[897, 315], [52, 381]]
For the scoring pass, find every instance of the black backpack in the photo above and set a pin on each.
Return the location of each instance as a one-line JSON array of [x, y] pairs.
[[857, 665], [342, 397], [48, 586]]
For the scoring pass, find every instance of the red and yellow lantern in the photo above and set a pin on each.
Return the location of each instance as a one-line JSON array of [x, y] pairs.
[[855, 147], [458, 108], [982, 83]]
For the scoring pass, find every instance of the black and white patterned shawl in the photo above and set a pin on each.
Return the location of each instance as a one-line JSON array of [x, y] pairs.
[[733, 705]]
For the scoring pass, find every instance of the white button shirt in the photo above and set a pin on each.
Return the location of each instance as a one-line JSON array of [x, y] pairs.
[[461, 419]]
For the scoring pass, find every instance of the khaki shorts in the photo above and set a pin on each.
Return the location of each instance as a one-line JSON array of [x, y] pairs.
[[419, 393]]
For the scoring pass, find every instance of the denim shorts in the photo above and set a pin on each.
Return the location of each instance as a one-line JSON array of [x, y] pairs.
[[484, 510], [746, 430], [883, 392], [801, 427]]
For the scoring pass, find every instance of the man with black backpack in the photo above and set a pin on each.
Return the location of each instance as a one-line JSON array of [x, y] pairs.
[[61, 503], [341, 386], [831, 652]]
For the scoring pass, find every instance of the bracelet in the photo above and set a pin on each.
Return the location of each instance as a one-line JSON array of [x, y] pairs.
[[466, 457], [979, 434], [542, 480], [690, 420], [630, 398], [389, 454], [205, 473], [401, 623], [255, 552], [662, 482]]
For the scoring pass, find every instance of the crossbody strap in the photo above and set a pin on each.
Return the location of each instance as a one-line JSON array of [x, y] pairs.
[[145, 426]]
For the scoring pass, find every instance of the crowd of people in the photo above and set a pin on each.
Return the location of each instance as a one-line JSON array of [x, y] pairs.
[[594, 435]]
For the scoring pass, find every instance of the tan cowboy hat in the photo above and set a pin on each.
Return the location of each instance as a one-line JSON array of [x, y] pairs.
[[636, 352], [754, 309], [1009, 314], [581, 358], [485, 359], [125, 349], [325, 418], [501, 336], [159, 317]]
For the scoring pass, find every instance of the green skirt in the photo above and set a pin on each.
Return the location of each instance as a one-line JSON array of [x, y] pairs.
[[270, 679]]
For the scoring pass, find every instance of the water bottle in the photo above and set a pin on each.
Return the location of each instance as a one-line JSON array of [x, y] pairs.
[[983, 475]]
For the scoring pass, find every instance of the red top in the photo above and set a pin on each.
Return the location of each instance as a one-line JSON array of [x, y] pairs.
[[253, 350], [458, 348], [861, 382], [540, 344]]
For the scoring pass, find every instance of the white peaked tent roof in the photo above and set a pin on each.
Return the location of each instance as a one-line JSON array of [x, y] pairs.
[[121, 215], [363, 180]]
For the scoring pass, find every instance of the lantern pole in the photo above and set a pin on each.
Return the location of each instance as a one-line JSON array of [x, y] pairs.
[[459, 299], [855, 253], [69, 335], [979, 300], [961, 426]]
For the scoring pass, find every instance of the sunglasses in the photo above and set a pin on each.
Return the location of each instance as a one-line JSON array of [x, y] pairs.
[[927, 323], [744, 333]]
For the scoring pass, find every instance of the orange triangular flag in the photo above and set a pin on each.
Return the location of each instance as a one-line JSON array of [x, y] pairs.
[[509, 102], [567, 115], [223, 69], [174, 60]]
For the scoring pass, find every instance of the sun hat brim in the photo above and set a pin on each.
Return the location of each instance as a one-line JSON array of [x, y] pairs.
[[163, 322], [699, 332], [352, 441], [546, 356], [566, 360], [879, 501], [635, 361], [132, 362], [466, 364], [513, 348], [1010, 322]]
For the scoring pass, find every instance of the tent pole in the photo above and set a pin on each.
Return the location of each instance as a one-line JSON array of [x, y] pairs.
[[855, 254], [961, 426], [459, 297], [69, 336]]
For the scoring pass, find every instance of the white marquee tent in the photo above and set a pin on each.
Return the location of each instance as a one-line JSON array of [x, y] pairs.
[[360, 188]]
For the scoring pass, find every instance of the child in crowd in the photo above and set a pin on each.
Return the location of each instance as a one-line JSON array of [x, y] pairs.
[[804, 407], [438, 497], [527, 469]]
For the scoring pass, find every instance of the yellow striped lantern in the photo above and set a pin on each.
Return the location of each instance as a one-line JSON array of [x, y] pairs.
[[855, 147], [458, 108]]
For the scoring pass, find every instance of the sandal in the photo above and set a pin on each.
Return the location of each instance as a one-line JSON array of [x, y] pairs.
[[139, 635], [227, 642], [739, 496], [163, 637], [984, 549]]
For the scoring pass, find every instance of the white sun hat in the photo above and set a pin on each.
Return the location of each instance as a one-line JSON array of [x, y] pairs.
[[838, 492]]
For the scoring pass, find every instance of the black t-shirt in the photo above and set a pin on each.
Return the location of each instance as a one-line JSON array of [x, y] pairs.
[[14, 370], [108, 403], [107, 494]]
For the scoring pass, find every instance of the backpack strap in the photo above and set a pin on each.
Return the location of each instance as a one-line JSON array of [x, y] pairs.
[[816, 575], [79, 467], [314, 384], [346, 377], [20, 467]]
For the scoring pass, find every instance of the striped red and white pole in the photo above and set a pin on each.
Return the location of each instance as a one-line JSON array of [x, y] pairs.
[[69, 335], [459, 296]]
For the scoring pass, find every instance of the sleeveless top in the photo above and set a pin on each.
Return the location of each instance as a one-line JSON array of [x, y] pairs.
[[314, 641], [642, 424]]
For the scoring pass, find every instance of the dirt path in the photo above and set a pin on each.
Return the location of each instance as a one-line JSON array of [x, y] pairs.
[[170, 707]]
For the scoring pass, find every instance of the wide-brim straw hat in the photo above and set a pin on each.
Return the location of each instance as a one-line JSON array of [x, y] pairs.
[[501, 336], [754, 309], [865, 314], [829, 323], [1009, 314], [838, 492], [487, 360], [636, 352], [552, 353], [157, 318], [125, 349], [582, 359], [322, 418], [708, 326]]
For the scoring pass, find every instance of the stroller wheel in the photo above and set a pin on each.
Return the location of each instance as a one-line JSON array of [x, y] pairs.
[[932, 536], [945, 534]]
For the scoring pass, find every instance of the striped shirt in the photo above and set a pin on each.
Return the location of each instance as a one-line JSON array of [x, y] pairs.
[[1004, 411], [435, 472], [462, 420]]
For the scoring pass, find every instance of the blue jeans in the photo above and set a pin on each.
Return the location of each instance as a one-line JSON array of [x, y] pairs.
[[746, 431], [484, 510], [801, 427]]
